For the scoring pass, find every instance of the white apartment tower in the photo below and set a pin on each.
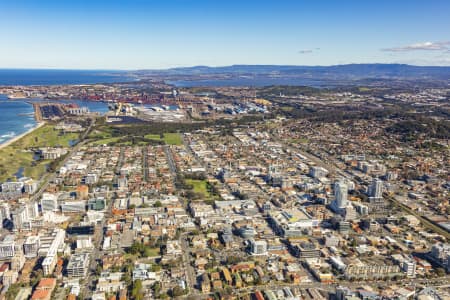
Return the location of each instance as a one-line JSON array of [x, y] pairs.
[[376, 188], [340, 193]]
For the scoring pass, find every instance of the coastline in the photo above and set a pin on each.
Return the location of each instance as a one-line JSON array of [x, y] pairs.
[[39, 121], [18, 137]]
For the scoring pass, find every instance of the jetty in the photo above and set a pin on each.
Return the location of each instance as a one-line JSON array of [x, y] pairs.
[[37, 112]]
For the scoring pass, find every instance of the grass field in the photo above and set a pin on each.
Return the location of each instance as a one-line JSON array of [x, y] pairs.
[[103, 135], [105, 141], [199, 186], [150, 252], [17, 155], [169, 138]]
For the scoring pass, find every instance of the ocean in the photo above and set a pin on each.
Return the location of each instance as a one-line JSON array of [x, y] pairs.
[[52, 77], [17, 116]]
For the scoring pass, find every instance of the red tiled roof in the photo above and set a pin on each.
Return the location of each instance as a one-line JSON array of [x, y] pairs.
[[40, 294], [46, 283]]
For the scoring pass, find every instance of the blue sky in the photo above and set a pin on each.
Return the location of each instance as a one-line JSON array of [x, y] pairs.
[[131, 34]]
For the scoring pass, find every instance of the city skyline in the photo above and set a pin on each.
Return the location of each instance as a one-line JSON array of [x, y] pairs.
[[158, 35]]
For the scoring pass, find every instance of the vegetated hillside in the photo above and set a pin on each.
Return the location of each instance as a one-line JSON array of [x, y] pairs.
[[288, 90], [429, 127]]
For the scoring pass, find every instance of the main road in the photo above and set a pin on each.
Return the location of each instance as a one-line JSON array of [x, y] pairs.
[[191, 278]]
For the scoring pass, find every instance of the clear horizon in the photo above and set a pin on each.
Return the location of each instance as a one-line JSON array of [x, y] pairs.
[[219, 66], [137, 34]]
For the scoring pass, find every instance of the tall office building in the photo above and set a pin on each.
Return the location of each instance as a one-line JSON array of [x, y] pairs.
[[376, 188], [7, 247], [31, 246], [340, 194], [33, 209], [4, 211], [375, 192], [20, 218]]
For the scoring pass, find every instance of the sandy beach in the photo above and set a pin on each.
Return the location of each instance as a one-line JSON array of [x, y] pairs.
[[16, 138]]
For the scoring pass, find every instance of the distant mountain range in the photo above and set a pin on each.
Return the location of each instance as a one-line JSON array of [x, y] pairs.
[[350, 71]]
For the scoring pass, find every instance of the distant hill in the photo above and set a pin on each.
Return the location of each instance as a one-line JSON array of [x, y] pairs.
[[350, 71]]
